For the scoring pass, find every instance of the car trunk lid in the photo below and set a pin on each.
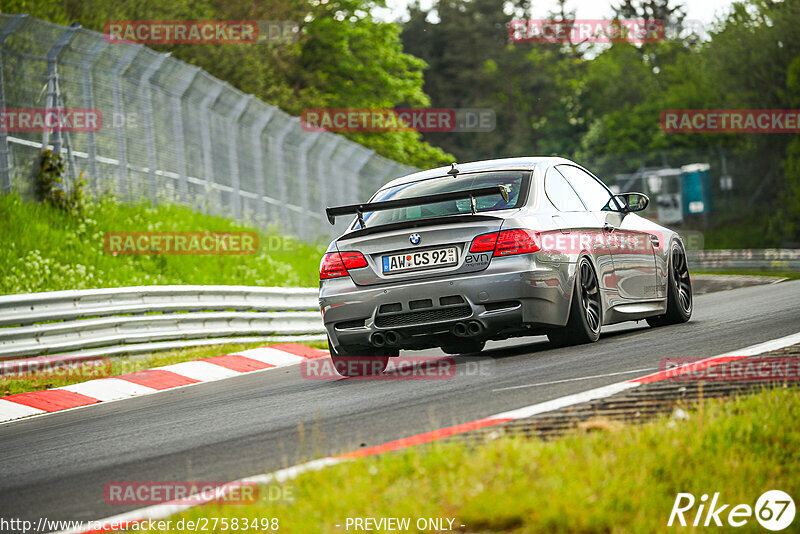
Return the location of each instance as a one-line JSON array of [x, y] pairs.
[[395, 248]]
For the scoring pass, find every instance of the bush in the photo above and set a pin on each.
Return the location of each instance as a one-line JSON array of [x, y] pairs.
[[49, 185]]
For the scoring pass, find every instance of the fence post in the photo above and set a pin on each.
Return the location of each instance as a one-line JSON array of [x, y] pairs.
[[5, 151], [53, 91], [382, 179], [88, 102], [149, 134], [177, 131], [258, 157], [280, 170], [302, 179], [356, 179], [344, 195], [205, 130], [233, 158], [119, 111]]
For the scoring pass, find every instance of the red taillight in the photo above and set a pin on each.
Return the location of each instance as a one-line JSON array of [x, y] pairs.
[[507, 242], [353, 260], [484, 243], [335, 264], [331, 266], [516, 242]]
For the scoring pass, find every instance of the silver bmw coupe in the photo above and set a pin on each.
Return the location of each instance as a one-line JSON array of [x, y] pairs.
[[455, 256]]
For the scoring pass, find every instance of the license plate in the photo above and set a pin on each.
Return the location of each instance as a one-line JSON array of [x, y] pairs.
[[423, 259]]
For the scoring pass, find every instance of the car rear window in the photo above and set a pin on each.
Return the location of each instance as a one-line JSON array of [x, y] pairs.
[[517, 180]]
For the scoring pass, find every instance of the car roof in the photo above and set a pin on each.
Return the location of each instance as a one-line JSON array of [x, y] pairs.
[[505, 164]]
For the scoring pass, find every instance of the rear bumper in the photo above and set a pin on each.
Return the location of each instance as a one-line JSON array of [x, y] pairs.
[[509, 296]]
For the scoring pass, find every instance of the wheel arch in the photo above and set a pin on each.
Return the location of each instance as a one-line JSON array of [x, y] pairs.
[[573, 281]]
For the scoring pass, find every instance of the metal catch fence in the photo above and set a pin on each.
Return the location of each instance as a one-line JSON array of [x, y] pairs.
[[172, 132]]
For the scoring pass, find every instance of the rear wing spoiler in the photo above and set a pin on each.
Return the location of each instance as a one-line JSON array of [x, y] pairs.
[[360, 209]]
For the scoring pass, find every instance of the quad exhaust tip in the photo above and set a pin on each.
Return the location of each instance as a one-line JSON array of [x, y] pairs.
[[474, 328], [380, 339], [469, 329], [377, 339], [460, 329], [391, 337]]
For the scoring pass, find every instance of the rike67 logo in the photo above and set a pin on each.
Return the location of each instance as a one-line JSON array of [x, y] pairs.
[[774, 510]]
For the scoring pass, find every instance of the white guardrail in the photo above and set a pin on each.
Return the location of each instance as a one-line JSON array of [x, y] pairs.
[[103, 322], [71, 325], [769, 259]]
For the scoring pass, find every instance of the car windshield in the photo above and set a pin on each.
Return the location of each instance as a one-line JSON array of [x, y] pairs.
[[516, 180]]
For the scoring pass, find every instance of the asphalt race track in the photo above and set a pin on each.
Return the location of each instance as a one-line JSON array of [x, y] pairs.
[[57, 465]]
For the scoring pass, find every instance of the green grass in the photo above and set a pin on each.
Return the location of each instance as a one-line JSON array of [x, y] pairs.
[[791, 275], [43, 249], [11, 385], [735, 229], [621, 479]]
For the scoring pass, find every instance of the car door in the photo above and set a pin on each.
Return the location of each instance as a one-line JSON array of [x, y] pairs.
[[630, 247], [575, 224]]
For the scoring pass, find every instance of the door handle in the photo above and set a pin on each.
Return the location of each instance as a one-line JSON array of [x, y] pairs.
[[608, 227]]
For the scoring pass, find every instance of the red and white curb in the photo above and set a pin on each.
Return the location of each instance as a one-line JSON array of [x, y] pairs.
[[164, 510], [154, 380]]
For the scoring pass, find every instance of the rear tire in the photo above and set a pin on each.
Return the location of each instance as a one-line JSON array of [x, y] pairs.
[[585, 313], [463, 347], [679, 291], [367, 362]]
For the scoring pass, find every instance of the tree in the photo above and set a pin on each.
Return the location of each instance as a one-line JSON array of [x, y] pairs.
[[472, 64]]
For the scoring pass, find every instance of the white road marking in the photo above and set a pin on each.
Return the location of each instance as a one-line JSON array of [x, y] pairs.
[[106, 389], [563, 402], [576, 379], [13, 410], [272, 356], [200, 370], [612, 389], [767, 346]]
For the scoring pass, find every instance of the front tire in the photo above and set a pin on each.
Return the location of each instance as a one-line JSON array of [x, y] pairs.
[[586, 311], [359, 363], [679, 291]]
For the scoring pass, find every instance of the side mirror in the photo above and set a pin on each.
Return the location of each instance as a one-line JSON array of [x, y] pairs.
[[633, 201]]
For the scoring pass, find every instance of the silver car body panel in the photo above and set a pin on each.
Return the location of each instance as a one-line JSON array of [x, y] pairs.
[[510, 296]]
